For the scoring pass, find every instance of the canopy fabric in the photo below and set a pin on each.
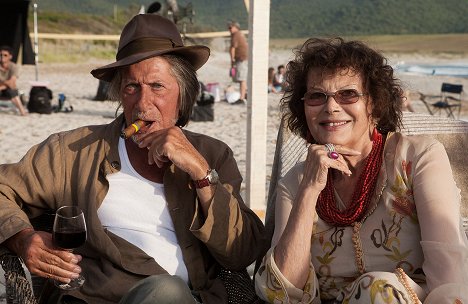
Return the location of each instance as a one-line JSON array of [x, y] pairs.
[[14, 30]]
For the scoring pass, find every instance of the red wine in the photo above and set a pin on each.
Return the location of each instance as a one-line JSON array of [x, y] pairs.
[[69, 239]]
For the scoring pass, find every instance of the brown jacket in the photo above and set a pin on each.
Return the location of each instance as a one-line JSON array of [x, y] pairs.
[[71, 168]]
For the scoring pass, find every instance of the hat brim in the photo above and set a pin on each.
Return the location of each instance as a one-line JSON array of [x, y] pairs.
[[197, 55]]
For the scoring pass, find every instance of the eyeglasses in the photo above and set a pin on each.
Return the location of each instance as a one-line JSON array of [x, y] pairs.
[[345, 96]]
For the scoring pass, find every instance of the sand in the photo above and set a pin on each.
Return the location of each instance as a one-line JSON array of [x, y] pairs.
[[18, 134]]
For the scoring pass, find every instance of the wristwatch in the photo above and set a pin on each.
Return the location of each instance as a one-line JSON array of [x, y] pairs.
[[210, 179]]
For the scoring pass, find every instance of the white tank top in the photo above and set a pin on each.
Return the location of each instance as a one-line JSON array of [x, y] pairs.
[[135, 209]]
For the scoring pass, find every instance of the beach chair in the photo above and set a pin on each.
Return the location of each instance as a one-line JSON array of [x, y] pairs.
[[447, 102], [453, 134]]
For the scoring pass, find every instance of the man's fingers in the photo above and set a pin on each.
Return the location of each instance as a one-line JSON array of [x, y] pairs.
[[54, 267]]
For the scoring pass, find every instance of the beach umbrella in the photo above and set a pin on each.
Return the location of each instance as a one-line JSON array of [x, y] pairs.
[[15, 32]]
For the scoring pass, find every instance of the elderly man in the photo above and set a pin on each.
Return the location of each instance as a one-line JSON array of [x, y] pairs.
[[163, 209], [8, 75]]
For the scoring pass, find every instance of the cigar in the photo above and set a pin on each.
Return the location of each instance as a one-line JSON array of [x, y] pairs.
[[133, 128]]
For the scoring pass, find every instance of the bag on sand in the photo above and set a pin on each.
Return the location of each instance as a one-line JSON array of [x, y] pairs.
[[40, 100], [203, 110]]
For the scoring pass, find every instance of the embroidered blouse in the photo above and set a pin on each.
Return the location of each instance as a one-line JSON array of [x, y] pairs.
[[413, 223]]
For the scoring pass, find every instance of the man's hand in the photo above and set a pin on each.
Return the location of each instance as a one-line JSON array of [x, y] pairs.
[[10, 83], [171, 145], [42, 257]]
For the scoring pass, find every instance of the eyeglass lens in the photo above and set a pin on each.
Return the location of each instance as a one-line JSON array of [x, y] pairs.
[[341, 96]]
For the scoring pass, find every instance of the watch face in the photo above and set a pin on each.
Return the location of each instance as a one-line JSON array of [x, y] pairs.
[[213, 176]]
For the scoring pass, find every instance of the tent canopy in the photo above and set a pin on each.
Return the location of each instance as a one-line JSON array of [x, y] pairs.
[[15, 32]]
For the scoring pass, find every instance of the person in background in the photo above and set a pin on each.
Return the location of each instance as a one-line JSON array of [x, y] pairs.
[[163, 210], [407, 103], [271, 76], [8, 76], [238, 52], [278, 80], [371, 215]]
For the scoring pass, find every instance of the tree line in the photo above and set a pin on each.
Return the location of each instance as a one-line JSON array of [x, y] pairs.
[[288, 18]]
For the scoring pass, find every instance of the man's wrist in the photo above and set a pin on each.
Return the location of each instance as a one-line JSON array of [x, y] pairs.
[[16, 240]]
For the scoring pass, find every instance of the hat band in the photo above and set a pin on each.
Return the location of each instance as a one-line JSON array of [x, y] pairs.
[[146, 45]]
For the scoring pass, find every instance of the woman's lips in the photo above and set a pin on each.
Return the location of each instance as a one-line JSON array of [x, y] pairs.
[[333, 123]]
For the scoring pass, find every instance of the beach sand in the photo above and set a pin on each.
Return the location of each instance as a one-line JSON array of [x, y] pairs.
[[18, 134]]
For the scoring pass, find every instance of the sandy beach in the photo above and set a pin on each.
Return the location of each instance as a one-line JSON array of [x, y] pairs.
[[18, 134]]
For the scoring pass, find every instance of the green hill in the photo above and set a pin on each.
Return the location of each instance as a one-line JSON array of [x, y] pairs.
[[288, 18]]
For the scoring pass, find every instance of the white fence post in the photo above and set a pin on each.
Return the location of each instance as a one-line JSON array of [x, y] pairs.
[[257, 111]]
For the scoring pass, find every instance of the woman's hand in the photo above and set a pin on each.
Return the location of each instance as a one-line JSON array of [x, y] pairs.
[[318, 162], [43, 258]]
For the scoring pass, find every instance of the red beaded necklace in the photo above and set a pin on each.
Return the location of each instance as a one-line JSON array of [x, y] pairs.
[[326, 205]]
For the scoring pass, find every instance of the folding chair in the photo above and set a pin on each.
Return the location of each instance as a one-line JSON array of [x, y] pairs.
[[450, 99]]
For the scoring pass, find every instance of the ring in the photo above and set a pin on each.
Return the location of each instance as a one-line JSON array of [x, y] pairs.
[[330, 147], [333, 155], [331, 151]]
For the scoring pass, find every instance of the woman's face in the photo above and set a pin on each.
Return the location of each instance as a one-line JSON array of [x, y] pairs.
[[349, 125]]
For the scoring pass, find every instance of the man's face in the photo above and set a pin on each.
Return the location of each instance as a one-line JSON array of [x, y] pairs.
[[5, 56], [232, 29], [149, 91]]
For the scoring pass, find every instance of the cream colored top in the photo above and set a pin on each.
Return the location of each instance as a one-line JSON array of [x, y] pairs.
[[413, 222]]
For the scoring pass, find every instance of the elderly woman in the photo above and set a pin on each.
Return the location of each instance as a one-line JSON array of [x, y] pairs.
[[371, 215], [163, 209]]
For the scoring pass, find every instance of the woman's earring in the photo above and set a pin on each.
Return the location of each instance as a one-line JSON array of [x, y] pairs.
[[375, 134]]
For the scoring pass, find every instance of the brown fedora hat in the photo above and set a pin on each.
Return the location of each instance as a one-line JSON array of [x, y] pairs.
[[150, 35]]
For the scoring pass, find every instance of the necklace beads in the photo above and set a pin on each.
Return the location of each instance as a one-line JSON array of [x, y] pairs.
[[326, 205]]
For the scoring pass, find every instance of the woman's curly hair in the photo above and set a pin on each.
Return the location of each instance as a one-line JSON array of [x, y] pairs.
[[333, 55]]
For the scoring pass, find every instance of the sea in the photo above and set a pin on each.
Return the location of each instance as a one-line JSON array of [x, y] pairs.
[[438, 70]]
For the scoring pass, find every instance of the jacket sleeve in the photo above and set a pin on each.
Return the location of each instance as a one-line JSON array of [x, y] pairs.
[[29, 187], [232, 232]]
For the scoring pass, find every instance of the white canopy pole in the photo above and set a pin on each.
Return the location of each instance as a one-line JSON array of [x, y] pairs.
[[36, 44], [257, 111]]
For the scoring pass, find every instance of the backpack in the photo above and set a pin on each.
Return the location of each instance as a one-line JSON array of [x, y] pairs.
[[40, 100]]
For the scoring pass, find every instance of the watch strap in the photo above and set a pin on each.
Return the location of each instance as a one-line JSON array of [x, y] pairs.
[[204, 182]]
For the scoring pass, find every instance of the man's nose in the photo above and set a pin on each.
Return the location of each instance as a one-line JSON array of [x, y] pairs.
[[144, 95]]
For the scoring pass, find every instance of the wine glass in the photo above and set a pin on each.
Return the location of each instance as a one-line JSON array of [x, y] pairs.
[[69, 232]]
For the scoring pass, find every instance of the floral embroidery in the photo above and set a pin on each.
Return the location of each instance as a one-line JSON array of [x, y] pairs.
[[387, 239], [402, 189], [329, 247]]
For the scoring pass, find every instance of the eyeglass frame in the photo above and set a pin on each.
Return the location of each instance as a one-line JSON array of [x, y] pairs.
[[328, 95]]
